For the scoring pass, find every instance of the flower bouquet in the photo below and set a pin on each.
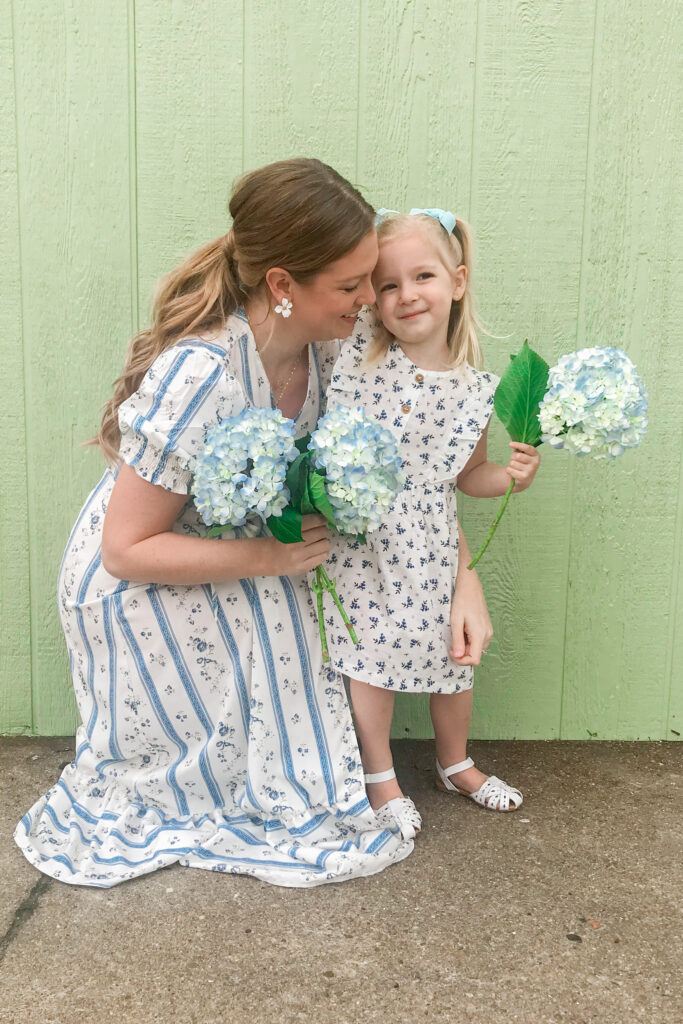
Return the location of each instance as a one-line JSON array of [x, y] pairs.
[[347, 470], [592, 403]]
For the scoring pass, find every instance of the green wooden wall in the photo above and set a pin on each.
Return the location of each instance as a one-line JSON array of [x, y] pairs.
[[552, 126]]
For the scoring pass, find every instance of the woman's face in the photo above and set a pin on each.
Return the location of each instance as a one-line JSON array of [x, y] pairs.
[[327, 306]]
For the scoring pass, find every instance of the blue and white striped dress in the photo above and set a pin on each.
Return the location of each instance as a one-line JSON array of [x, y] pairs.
[[211, 734]]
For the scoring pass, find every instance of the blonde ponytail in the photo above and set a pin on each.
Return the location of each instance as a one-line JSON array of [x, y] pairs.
[[464, 326]]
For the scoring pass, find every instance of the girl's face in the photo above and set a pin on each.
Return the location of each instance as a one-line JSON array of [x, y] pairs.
[[414, 292], [327, 306]]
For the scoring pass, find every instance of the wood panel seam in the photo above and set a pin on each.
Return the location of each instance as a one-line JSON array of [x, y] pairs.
[[24, 359], [579, 317], [673, 616], [133, 171], [470, 212]]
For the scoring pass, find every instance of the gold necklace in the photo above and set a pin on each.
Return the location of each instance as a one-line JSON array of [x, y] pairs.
[[277, 398]]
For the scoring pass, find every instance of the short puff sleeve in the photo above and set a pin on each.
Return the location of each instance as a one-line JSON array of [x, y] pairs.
[[186, 390]]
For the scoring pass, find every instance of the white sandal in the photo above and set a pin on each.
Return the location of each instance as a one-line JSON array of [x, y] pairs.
[[399, 814], [492, 794]]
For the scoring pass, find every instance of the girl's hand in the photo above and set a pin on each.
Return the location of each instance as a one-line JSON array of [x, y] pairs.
[[523, 465], [471, 629], [294, 559]]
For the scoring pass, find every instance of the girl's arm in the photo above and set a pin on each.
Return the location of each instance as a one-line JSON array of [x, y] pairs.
[[138, 542], [483, 479], [471, 628]]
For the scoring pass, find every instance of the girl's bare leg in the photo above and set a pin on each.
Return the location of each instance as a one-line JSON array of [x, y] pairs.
[[373, 708], [451, 714]]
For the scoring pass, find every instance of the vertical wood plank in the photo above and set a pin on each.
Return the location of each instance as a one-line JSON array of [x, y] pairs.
[[415, 112], [673, 727], [528, 156], [301, 79], [189, 61], [527, 226], [15, 598], [624, 515], [415, 123], [72, 104]]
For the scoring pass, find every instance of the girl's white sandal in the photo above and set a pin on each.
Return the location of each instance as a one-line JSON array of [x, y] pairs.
[[399, 814], [493, 794]]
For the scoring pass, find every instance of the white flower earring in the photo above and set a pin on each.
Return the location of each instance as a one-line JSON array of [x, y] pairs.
[[284, 308]]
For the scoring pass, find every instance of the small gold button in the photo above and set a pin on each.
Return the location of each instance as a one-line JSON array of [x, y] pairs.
[[419, 377], [405, 408]]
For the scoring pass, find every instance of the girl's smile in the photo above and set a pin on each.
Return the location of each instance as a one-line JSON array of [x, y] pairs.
[[414, 295]]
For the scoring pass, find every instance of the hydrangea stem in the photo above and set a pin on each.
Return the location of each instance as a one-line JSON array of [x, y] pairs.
[[491, 532], [321, 583], [317, 586], [330, 585]]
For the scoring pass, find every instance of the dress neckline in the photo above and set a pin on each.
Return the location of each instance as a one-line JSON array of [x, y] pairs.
[[396, 350], [242, 316]]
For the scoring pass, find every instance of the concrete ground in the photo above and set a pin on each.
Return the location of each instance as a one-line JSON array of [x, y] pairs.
[[568, 910]]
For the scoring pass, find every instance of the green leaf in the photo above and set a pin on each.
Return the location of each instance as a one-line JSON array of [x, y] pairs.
[[301, 443], [217, 530], [287, 527], [319, 499], [297, 475], [307, 507], [519, 393]]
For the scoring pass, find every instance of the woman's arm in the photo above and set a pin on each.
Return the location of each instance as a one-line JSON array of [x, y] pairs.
[[471, 628], [483, 479], [138, 542]]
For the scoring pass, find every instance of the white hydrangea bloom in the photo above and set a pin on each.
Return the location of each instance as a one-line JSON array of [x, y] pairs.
[[242, 467], [362, 468], [595, 404]]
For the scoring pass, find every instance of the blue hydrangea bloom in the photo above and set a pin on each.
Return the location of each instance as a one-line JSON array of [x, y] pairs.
[[362, 467], [595, 404], [242, 467]]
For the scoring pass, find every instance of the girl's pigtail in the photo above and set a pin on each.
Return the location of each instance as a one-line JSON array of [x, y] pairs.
[[463, 327]]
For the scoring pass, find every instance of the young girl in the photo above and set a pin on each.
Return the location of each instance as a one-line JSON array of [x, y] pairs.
[[420, 376]]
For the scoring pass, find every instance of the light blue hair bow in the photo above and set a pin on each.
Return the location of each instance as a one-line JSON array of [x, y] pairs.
[[444, 217], [381, 214]]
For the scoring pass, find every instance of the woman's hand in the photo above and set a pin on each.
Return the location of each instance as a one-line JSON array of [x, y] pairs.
[[523, 465], [139, 543], [293, 559]]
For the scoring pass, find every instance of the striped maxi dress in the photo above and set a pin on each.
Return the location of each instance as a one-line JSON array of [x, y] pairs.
[[211, 733]]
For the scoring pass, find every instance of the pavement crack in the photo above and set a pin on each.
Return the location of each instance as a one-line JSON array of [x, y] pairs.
[[24, 912]]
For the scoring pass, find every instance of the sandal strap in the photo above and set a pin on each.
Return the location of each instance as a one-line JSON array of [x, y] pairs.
[[400, 815], [381, 776], [497, 795], [461, 766]]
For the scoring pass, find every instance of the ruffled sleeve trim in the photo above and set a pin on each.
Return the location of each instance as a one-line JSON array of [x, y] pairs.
[[485, 385], [163, 424]]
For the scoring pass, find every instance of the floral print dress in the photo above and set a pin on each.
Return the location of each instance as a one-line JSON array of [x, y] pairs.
[[211, 733], [398, 587]]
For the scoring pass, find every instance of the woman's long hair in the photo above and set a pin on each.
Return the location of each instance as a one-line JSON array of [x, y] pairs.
[[297, 214]]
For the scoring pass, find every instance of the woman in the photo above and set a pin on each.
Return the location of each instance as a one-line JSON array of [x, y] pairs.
[[211, 733]]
